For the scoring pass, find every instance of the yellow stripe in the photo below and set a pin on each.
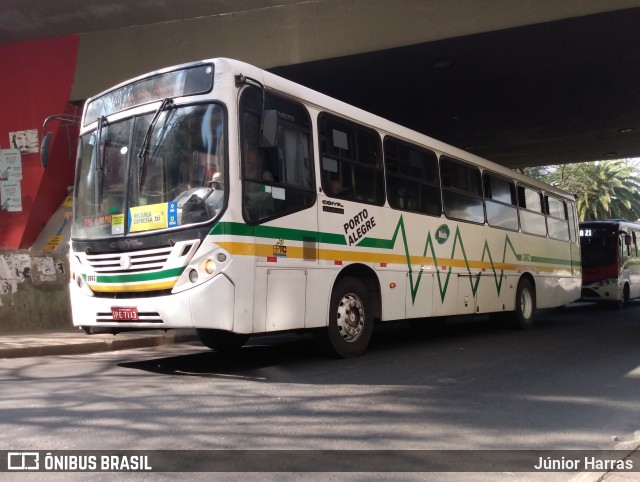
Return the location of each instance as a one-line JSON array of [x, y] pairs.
[[266, 250], [133, 288]]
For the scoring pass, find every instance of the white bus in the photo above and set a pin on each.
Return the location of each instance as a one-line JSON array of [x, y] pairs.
[[610, 261], [217, 196]]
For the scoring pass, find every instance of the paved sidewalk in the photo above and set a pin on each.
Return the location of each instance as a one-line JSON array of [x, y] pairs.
[[72, 341]]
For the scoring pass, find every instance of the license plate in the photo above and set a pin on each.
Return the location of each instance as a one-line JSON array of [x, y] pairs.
[[128, 313]]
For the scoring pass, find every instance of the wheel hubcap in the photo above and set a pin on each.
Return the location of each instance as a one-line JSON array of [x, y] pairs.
[[526, 304], [350, 317]]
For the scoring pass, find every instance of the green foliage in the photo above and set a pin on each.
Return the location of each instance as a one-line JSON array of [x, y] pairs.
[[603, 189]]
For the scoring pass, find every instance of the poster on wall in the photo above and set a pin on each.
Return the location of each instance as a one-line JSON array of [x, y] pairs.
[[10, 165], [10, 196], [24, 141]]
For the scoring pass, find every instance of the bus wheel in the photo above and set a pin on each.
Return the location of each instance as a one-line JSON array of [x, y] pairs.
[[221, 340], [525, 305], [350, 322], [624, 301]]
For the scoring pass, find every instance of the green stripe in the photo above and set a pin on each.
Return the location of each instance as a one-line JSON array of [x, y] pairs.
[[239, 229], [543, 260], [131, 278]]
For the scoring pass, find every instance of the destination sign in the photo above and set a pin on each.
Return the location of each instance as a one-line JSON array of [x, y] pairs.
[[178, 83]]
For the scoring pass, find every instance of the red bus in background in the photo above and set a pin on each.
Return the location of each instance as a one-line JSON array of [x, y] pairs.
[[610, 261]]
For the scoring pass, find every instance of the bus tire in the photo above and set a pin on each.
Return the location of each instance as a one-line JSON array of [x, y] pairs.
[[350, 320], [525, 305], [221, 340], [624, 301]]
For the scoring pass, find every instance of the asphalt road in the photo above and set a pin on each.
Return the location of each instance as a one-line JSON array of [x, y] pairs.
[[572, 382]]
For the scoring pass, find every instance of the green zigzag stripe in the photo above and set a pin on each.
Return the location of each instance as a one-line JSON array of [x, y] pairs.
[[442, 286], [239, 229]]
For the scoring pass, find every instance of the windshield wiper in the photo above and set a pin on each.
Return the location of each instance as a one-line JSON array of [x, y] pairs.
[[144, 149], [102, 121]]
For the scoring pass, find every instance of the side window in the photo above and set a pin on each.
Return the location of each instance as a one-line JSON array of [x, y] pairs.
[[276, 180], [351, 161], [557, 222], [461, 191], [412, 178], [500, 202], [532, 218]]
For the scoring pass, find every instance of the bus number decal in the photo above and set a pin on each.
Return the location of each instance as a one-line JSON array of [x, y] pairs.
[[279, 249]]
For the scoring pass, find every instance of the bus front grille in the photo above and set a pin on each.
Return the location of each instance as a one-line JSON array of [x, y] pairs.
[[132, 262]]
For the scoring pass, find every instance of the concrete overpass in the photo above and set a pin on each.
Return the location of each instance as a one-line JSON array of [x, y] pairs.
[[523, 83]]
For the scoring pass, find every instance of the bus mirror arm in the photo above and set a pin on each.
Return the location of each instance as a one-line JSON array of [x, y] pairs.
[[269, 128], [45, 145]]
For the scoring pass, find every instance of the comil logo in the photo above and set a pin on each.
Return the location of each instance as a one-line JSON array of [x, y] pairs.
[[23, 461]]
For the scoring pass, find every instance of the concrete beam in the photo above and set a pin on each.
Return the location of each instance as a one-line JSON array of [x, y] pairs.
[[283, 33]]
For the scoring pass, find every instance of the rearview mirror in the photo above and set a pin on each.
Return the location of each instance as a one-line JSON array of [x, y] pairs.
[[44, 149]]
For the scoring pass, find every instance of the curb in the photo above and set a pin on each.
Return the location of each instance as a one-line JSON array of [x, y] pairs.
[[631, 447], [91, 345]]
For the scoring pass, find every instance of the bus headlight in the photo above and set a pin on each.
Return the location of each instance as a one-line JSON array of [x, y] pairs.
[[200, 271], [207, 266]]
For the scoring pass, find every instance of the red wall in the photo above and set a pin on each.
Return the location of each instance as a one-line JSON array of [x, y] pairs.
[[35, 83]]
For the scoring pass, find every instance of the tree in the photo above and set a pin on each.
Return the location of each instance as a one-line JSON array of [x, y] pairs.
[[603, 189]]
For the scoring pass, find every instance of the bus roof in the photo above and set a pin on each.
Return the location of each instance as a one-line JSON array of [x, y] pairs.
[[322, 102]]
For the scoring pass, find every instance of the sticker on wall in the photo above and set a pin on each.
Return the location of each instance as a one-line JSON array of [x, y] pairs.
[[10, 165], [25, 141], [10, 196]]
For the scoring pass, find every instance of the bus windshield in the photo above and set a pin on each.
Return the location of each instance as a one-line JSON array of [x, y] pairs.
[[178, 178], [599, 246]]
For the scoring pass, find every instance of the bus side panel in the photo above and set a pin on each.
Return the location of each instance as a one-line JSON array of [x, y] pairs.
[[491, 293], [319, 283], [393, 287], [466, 297], [554, 283], [213, 309], [552, 291], [634, 278], [420, 303], [509, 292], [286, 299], [445, 295]]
